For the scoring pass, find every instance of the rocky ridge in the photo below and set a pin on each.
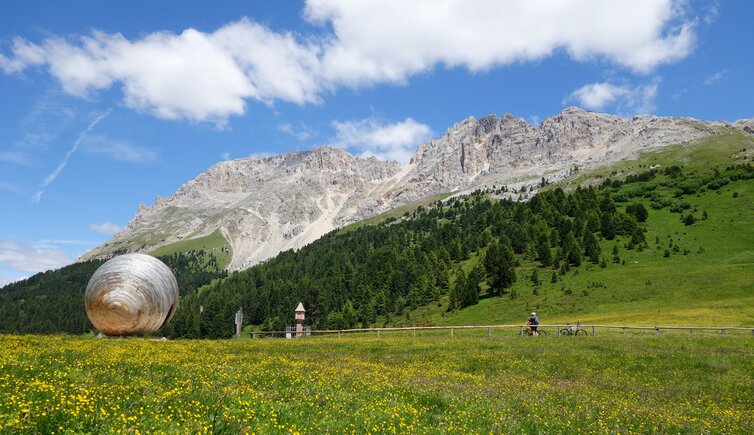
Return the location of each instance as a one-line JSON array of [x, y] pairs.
[[267, 205]]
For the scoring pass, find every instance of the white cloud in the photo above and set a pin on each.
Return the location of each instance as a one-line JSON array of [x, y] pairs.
[[118, 149], [596, 96], [627, 100], [107, 228], [24, 257], [192, 75], [370, 137], [388, 40], [225, 156], [210, 76], [716, 77]]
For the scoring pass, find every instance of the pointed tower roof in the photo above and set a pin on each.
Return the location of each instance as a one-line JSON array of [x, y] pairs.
[[300, 307]]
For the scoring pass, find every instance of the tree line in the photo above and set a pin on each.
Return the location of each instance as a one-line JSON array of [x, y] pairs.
[[354, 278]]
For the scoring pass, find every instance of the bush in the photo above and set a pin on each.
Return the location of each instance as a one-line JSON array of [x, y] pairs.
[[689, 219]]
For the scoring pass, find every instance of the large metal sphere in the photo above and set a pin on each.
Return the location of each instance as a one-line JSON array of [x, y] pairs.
[[132, 294]]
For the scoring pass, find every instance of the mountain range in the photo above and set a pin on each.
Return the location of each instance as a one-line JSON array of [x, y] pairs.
[[263, 206]]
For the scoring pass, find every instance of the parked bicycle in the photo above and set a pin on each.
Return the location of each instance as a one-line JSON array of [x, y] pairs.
[[573, 330]]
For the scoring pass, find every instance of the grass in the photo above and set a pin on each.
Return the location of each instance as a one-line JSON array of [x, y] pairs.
[[704, 154], [424, 385], [395, 213], [214, 244], [708, 278]]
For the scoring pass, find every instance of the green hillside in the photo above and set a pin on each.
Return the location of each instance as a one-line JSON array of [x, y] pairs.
[[661, 240], [707, 277], [215, 244]]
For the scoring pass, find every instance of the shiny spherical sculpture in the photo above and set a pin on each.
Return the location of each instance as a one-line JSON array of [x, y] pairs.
[[132, 294]]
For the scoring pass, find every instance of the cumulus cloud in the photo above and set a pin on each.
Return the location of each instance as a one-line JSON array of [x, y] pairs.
[[598, 95], [25, 257], [388, 40], [107, 228], [203, 76], [370, 137], [627, 100], [192, 75]]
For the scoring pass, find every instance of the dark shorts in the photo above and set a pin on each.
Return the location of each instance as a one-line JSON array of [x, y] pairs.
[[533, 327]]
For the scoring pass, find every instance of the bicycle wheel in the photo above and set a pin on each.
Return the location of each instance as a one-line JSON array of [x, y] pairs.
[[581, 332], [542, 332], [565, 331]]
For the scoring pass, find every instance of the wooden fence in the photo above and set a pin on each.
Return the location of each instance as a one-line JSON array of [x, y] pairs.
[[558, 327]]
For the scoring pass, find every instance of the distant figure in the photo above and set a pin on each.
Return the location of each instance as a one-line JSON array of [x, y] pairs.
[[533, 322]]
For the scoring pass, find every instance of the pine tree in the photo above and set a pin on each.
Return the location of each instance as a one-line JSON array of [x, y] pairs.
[[458, 290], [471, 291], [535, 278], [499, 263], [544, 253], [592, 248]]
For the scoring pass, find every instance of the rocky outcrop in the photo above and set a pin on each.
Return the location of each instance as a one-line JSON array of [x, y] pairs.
[[266, 205]]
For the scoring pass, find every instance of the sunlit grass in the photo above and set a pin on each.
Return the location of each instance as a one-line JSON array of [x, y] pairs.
[[400, 384]]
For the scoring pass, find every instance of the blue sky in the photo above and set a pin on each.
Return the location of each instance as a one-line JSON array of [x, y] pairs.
[[107, 105]]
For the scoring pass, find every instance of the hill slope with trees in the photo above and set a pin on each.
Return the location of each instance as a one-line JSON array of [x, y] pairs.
[[664, 239]]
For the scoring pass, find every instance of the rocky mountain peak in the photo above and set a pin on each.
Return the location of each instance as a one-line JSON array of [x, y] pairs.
[[265, 205]]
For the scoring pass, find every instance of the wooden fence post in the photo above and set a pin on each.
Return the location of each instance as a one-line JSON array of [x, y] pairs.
[[489, 332], [414, 331], [723, 331], [451, 332], [520, 331], [378, 333], [657, 331], [594, 330]]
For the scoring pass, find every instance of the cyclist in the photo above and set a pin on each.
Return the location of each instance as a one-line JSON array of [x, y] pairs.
[[533, 322]]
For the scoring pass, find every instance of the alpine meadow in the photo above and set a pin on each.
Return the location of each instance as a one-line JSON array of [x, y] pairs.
[[319, 217]]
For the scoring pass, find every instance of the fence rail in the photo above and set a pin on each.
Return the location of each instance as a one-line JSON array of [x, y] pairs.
[[520, 327]]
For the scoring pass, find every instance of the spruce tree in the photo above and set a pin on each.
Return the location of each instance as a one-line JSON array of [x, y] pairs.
[[499, 263], [544, 253], [592, 248]]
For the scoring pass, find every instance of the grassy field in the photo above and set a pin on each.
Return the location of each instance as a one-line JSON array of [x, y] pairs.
[[56, 384], [707, 277], [214, 244]]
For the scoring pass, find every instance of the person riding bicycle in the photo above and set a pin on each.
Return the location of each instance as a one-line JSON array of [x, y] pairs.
[[533, 322]]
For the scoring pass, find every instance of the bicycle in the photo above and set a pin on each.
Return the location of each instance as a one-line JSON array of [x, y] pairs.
[[573, 330], [529, 332]]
